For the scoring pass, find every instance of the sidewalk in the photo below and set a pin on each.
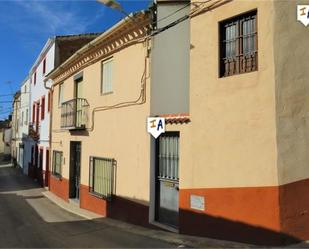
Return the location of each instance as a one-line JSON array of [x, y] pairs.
[[174, 238]]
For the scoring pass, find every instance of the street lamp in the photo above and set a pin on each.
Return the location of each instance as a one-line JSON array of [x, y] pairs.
[[113, 4]]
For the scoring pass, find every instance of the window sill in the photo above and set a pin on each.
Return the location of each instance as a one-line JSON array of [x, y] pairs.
[[99, 196], [108, 93], [58, 177], [238, 74]]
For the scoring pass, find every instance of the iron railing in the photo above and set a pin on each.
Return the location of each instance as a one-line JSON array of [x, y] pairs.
[[74, 114]]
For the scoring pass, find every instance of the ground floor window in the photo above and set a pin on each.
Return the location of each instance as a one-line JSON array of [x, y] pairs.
[[101, 176], [57, 163]]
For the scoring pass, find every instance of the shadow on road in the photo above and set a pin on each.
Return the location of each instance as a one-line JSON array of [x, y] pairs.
[[29, 220]]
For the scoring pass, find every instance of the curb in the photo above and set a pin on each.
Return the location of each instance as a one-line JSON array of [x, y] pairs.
[[181, 241]]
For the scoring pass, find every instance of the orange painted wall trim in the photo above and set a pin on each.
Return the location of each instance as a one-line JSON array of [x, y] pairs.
[[91, 202], [294, 209], [59, 187], [240, 214], [257, 206]]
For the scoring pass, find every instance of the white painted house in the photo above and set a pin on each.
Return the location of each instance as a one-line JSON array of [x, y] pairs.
[[24, 147], [56, 50]]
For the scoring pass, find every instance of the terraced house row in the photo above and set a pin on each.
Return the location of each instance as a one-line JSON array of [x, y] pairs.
[[230, 79]]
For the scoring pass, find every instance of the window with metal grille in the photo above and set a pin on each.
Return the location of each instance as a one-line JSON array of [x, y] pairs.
[[168, 156], [101, 177], [107, 76], [238, 45], [57, 163]]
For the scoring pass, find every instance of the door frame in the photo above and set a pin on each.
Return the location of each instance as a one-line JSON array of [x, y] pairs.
[[73, 174], [154, 194]]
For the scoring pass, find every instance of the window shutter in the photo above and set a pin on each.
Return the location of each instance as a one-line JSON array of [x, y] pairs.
[[107, 76]]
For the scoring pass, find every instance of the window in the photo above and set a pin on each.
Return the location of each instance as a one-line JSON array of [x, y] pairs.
[[26, 120], [34, 78], [101, 176], [60, 100], [107, 76], [238, 45], [44, 66], [167, 154], [49, 101], [33, 112], [43, 108], [57, 163], [22, 118]]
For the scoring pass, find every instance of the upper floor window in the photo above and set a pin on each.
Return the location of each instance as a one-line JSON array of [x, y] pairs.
[[238, 44], [26, 120], [44, 66], [49, 101], [107, 76], [43, 108], [61, 91], [33, 112], [34, 78]]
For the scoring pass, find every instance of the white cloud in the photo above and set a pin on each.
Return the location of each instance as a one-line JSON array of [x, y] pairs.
[[56, 18]]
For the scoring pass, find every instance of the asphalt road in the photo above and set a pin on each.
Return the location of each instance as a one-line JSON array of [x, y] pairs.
[[29, 220]]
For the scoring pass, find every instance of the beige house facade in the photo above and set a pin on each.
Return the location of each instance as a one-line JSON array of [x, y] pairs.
[[232, 163], [100, 95], [243, 155]]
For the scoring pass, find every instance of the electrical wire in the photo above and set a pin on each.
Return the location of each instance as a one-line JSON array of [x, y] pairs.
[[171, 14]]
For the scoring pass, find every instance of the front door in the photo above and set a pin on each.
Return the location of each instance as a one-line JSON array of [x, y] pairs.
[[47, 168], [167, 179], [75, 155]]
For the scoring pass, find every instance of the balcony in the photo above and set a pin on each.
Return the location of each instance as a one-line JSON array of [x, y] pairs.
[[74, 114], [34, 131]]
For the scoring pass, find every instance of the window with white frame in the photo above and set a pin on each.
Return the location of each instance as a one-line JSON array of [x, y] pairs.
[[101, 176], [107, 76], [57, 163], [61, 91], [26, 120]]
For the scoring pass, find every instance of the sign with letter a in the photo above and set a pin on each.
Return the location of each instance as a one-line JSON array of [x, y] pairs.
[[156, 126]]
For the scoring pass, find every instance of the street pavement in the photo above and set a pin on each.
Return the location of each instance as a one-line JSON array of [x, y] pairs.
[[29, 220]]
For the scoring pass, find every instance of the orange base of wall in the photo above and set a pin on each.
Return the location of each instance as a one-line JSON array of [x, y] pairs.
[[259, 215], [59, 187], [92, 203], [131, 211], [294, 209], [251, 215]]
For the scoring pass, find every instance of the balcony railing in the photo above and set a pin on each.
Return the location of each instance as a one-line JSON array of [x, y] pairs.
[[74, 114], [34, 131]]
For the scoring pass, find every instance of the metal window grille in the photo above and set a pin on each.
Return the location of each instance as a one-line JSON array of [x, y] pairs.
[[57, 163], [169, 157], [101, 177], [238, 50]]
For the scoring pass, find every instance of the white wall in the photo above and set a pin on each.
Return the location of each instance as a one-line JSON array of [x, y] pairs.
[[38, 90], [24, 159]]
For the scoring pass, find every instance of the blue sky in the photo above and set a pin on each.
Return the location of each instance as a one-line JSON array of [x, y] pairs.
[[25, 26]]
